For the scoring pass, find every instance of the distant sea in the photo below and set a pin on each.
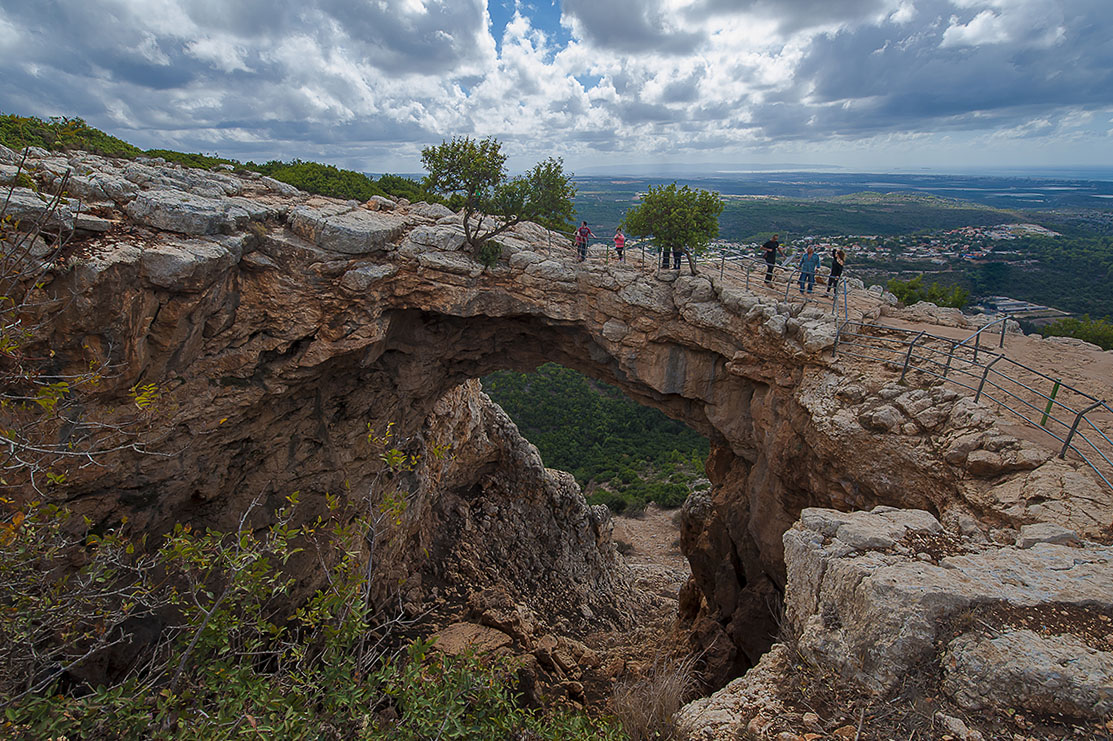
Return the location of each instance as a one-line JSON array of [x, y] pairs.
[[1030, 189]]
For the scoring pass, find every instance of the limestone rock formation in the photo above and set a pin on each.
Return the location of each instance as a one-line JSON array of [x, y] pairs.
[[281, 326], [882, 597]]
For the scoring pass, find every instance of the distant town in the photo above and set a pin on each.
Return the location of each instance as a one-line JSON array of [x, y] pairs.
[[936, 252]]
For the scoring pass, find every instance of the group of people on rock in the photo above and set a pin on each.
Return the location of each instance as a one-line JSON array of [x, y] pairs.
[[809, 262], [584, 233]]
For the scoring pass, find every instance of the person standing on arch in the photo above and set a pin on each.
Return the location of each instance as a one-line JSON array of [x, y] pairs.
[[772, 248], [809, 263], [582, 235], [619, 243], [838, 262]]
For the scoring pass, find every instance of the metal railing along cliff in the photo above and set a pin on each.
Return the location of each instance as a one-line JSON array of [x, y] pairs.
[[1069, 415], [1064, 412]]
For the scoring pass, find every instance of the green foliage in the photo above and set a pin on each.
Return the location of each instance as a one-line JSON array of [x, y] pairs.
[[1097, 331], [913, 290], [1072, 273], [676, 219], [603, 438], [17, 132], [326, 180], [240, 658], [203, 161], [475, 173]]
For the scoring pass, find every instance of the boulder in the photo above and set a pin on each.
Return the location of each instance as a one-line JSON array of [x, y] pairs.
[[1050, 675], [873, 612], [349, 231], [185, 213]]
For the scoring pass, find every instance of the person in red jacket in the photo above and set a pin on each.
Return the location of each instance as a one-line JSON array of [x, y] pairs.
[[582, 235]]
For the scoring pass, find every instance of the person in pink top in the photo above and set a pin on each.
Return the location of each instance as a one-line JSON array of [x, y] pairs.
[[619, 243]]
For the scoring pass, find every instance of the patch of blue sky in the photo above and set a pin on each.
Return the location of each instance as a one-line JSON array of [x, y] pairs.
[[543, 15], [588, 81]]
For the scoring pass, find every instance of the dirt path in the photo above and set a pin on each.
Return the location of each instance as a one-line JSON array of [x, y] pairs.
[[650, 544], [652, 551]]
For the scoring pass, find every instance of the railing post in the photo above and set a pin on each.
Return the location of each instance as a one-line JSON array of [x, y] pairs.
[[749, 267], [845, 307], [985, 375], [1074, 427], [977, 344], [1050, 402], [950, 354], [1004, 324], [908, 357], [722, 263]]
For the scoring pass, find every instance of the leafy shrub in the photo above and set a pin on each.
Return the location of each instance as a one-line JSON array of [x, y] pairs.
[[239, 655], [17, 132], [328, 180], [913, 290], [669, 496], [1097, 331], [203, 161]]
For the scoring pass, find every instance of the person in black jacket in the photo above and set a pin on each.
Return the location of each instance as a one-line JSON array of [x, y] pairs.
[[772, 248], [838, 262]]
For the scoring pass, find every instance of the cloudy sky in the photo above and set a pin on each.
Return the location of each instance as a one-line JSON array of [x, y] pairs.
[[870, 85]]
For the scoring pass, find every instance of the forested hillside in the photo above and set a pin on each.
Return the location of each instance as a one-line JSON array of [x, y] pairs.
[[624, 454]]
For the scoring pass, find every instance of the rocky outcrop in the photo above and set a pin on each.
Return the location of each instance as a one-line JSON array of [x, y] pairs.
[[888, 599], [279, 326]]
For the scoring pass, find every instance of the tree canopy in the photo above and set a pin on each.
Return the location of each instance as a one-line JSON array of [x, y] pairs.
[[684, 219], [476, 172], [913, 290]]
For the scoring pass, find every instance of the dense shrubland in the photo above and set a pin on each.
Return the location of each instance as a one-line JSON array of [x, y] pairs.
[[624, 454], [232, 654]]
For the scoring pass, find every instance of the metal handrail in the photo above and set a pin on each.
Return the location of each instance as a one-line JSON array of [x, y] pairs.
[[988, 376]]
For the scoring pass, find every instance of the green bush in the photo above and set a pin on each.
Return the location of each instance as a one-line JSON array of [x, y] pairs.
[[239, 658], [669, 496], [913, 290], [1097, 331], [203, 161], [592, 430], [17, 132]]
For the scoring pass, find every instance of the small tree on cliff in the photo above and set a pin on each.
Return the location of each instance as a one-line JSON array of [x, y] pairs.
[[476, 171], [677, 219]]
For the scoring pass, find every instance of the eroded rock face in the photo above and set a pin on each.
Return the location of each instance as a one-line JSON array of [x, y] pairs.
[[281, 325], [890, 599]]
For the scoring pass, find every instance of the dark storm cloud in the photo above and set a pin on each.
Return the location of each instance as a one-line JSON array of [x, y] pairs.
[[892, 81], [795, 15], [394, 40], [638, 28], [684, 90]]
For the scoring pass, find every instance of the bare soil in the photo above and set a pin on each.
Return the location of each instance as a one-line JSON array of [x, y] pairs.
[[650, 544]]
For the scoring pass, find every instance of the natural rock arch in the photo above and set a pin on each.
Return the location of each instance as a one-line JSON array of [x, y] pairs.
[[281, 326]]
